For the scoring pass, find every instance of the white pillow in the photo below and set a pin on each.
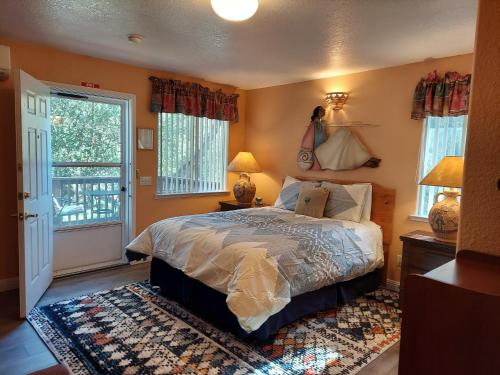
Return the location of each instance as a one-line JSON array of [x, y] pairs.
[[367, 209], [287, 199], [346, 202]]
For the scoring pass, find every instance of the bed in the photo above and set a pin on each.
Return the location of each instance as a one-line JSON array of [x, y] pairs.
[[253, 271]]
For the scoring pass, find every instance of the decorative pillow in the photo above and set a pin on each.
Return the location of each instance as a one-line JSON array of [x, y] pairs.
[[290, 191], [346, 202], [312, 201]]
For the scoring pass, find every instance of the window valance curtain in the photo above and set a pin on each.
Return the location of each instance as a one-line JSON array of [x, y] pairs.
[[437, 96], [172, 96]]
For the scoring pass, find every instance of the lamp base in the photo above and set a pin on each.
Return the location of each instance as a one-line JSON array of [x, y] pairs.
[[444, 216], [449, 238], [244, 190]]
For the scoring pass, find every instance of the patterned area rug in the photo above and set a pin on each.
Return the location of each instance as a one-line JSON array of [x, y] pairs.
[[135, 330]]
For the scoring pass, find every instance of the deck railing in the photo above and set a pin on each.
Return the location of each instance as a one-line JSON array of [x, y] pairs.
[[85, 200]]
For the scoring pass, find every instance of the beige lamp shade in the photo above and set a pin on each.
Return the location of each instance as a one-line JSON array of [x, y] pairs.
[[448, 172], [244, 162]]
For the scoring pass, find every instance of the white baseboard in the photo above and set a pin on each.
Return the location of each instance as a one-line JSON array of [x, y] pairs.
[[9, 284], [392, 285]]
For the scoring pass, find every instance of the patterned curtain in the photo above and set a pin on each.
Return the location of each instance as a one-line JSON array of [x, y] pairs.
[[172, 96], [436, 96]]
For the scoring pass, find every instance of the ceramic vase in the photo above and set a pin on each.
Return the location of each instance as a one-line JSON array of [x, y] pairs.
[[444, 216], [244, 190]]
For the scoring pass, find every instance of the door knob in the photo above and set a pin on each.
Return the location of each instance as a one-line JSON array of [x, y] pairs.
[[21, 216]]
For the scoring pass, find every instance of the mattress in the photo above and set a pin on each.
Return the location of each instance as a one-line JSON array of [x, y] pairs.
[[260, 258]]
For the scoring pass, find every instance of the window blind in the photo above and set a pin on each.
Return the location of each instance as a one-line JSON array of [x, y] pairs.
[[192, 154], [441, 136]]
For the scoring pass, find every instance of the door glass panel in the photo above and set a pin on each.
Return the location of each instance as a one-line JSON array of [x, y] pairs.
[[86, 134], [86, 195], [85, 131]]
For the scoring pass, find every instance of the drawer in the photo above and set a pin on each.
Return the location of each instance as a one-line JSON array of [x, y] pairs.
[[427, 259]]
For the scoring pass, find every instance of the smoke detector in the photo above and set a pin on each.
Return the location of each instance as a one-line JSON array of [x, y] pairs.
[[135, 38]]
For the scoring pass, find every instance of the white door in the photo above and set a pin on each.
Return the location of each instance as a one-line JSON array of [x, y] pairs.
[[34, 189]]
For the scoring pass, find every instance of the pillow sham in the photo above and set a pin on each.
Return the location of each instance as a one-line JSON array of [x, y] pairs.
[[287, 199], [367, 209], [312, 201], [346, 202]]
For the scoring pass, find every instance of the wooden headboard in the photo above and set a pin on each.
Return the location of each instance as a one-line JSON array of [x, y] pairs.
[[383, 200]]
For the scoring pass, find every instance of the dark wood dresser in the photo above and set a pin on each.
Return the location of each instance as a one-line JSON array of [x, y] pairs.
[[233, 205], [451, 319], [423, 253]]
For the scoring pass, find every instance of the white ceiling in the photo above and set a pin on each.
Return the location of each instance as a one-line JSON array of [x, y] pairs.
[[286, 41]]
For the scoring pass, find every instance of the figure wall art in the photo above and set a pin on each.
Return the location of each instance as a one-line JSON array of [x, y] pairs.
[[342, 150]]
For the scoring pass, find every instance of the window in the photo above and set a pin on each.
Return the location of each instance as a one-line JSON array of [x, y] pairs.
[[192, 154], [442, 136]]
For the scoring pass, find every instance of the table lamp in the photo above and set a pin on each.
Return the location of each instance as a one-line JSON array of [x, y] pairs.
[[244, 189], [444, 215]]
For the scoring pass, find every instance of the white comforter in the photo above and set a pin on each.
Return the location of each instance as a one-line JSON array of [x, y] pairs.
[[262, 257]]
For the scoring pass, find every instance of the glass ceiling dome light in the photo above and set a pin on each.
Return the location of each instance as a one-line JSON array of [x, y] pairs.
[[235, 10]]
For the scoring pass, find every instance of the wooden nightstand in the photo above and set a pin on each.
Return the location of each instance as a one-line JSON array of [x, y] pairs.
[[422, 253], [233, 205]]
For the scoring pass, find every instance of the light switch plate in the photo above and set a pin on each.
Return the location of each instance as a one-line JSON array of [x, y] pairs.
[[145, 181]]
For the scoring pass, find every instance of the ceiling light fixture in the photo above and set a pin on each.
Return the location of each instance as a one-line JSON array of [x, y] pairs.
[[135, 38], [235, 10]]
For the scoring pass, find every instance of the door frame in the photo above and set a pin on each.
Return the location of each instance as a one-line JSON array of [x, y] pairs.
[[128, 134]]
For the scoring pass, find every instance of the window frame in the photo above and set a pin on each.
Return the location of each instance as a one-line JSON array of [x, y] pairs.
[[159, 194], [418, 215]]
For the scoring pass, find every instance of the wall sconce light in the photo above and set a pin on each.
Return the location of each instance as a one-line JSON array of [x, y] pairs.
[[336, 100]]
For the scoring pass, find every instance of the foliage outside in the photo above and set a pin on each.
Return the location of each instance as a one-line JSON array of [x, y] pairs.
[[85, 131]]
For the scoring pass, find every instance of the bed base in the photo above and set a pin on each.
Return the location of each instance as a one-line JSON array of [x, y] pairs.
[[210, 304]]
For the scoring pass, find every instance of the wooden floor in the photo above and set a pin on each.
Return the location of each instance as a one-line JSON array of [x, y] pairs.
[[22, 351]]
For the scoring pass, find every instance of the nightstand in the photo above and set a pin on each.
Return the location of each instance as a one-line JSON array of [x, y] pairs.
[[233, 205], [422, 253]]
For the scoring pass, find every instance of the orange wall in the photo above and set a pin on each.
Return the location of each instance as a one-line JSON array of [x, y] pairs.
[[272, 128], [50, 64], [480, 219], [277, 116]]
